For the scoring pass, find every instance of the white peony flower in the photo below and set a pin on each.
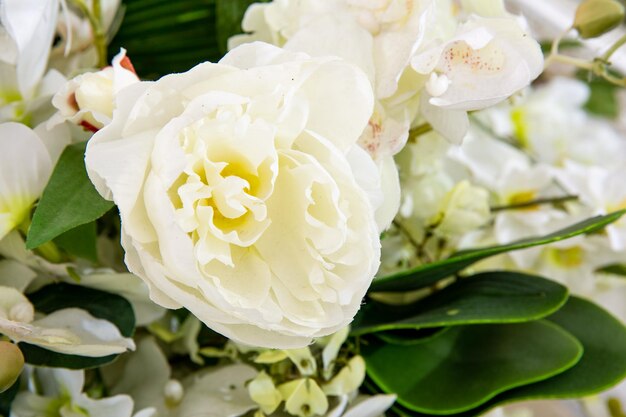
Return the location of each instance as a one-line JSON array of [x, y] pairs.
[[243, 195], [88, 99]]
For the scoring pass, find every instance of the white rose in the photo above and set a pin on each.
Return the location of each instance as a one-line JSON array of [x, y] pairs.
[[238, 193]]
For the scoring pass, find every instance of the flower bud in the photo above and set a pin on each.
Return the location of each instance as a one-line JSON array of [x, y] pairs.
[[174, 392], [597, 17], [11, 364]]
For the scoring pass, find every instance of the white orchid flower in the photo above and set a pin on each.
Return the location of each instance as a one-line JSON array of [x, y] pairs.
[[602, 190], [214, 392], [487, 61], [59, 393], [70, 331], [30, 26], [25, 166]]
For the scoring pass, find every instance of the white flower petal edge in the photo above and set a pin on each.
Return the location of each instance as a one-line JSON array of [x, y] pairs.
[[237, 197], [25, 167], [487, 61], [71, 330]]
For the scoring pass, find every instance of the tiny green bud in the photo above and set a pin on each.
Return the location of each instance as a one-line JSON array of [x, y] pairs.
[[11, 364], [597, 17]]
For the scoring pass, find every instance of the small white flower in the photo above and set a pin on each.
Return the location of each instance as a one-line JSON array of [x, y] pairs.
[[263, 392], [487, 61], [59, 392], [88, 99], [304, 398]]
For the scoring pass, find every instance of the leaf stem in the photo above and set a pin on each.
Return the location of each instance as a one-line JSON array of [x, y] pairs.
[[418, 131], [551, 200], [95, 21], [618, 44]]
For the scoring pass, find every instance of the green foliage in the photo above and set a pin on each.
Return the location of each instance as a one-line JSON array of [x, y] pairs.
[[492, 297], [614, 269], [80, 241], [603, 99], [100, 304], [69, 200], [6, 398], [426, 275], [467, 365], [602, 365], [229, 16], [163, 36]]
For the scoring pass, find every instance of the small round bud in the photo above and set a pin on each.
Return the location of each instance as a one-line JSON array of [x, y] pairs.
[[597, 17], [173, 392], [11, 364]]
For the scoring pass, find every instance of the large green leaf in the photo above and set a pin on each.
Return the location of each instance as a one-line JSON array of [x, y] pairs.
[[100, 304], [490, 297], [602, 365], [467, 365], [69, 200], [80, 241], [425, 275]]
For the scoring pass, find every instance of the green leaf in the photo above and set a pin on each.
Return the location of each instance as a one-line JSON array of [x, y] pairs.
[[7, 397], [229, 16], [614, 269], [467, 365], [603, 98], [426, 275], [80, 242], [100, 304], [602, 365], [490, 297], [69, 200], [163, 36]]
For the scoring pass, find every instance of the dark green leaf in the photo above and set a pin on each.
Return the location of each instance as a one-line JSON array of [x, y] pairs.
[[428, 274], [603, 98], [6, 398], [69, 200], [100, 304], [467, 365], [164, 36], [229, 16], [80, 242], [615, 269], [490, 297], [409, 336], [603, 363]]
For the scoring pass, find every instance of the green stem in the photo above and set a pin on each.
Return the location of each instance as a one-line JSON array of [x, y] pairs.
[[607, 55], [553, 200], [577, 62], [95, 21], [418, 131]]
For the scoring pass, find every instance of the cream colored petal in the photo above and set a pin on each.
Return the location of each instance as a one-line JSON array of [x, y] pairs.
[[25, 167], [76, 332]]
